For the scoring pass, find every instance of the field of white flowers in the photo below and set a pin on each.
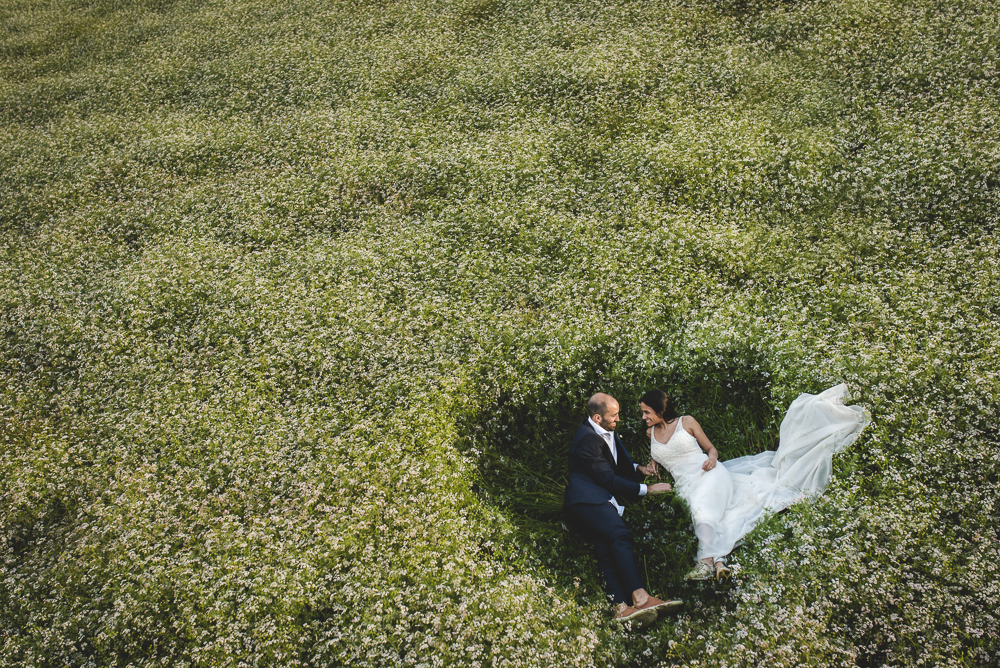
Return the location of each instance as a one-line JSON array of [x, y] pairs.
[[301, 299]]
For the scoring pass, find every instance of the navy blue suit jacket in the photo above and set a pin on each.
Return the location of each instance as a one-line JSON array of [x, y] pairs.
[[593, 474]]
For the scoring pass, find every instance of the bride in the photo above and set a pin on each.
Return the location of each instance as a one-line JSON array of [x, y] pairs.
[[726, 499]]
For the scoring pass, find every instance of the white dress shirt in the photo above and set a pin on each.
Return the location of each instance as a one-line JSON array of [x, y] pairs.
[[609, 438]]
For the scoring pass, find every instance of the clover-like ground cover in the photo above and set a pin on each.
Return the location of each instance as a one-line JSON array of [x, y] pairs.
[[300, 300]]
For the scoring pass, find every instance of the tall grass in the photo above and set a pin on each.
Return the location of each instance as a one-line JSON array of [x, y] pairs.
[[300, 302]]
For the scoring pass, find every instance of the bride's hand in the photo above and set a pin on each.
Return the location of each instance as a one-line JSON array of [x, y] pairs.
[[658, 488], [652, 468], [709, 463]]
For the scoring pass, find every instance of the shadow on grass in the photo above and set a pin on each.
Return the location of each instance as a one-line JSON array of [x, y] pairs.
[[523, 446]]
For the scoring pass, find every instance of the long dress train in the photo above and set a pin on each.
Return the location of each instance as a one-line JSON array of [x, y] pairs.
[[727, 501]]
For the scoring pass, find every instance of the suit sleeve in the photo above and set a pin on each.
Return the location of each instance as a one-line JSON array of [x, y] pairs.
[[591, 454]]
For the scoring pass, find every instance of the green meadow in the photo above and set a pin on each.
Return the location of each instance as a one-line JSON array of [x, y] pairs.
[[301, 300]]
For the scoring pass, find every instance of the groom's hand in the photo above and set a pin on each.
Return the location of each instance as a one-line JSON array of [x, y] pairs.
[[658, 488]]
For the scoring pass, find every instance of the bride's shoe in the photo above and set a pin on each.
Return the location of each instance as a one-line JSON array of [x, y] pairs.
[[700, 572], [722, 572]]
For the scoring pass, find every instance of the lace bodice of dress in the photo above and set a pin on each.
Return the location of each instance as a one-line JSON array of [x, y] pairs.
[[679, 448]]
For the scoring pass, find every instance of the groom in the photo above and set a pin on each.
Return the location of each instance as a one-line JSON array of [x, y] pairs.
[[601, 477]]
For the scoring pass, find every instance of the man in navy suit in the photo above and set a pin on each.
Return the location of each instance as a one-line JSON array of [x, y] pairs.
[[601, 477]]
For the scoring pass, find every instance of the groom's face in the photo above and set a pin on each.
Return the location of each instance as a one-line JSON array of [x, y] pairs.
[[610, 419]]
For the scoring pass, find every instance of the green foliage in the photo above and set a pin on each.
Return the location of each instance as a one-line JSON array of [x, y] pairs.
[[300, 302]]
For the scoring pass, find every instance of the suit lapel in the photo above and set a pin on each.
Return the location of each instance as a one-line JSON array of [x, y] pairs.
[[607, 448], [607, 452], [622, 454]]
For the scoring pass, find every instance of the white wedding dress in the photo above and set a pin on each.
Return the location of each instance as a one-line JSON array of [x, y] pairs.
[[727, 501]]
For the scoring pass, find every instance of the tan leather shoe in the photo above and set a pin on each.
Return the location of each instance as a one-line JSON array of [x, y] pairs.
[[641, 618], [660, 606]]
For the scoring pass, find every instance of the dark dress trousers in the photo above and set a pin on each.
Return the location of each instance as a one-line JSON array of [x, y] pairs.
[[593, 478]]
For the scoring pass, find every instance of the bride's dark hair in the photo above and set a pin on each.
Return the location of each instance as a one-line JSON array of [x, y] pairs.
[[661, 404]]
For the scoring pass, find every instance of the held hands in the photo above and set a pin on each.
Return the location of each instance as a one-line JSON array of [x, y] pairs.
[[652, 468]]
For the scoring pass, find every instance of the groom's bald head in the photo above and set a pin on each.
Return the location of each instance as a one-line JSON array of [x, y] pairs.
[[601, 404]]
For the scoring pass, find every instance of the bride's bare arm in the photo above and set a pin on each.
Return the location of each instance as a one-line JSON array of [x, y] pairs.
[[695, 430]]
